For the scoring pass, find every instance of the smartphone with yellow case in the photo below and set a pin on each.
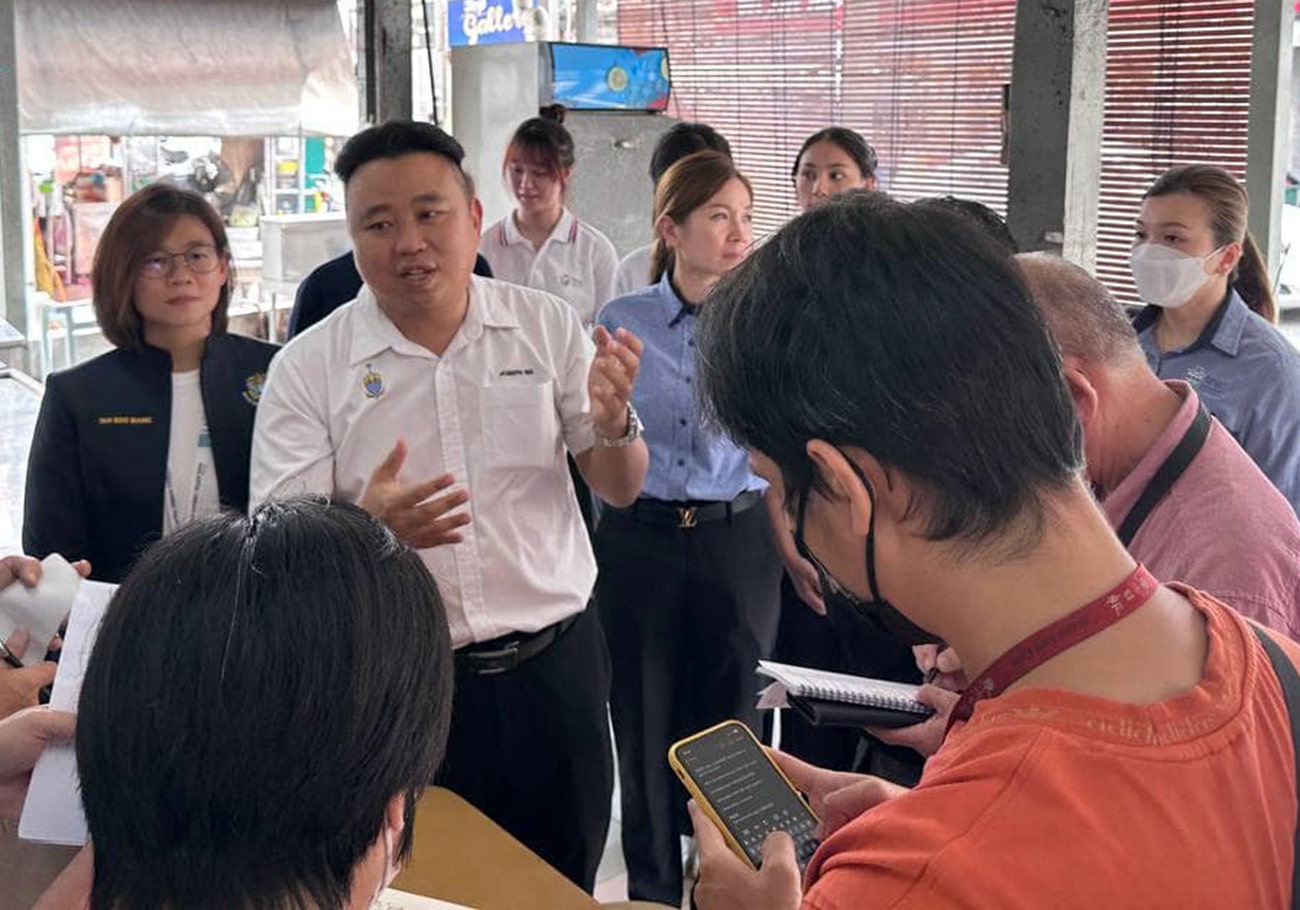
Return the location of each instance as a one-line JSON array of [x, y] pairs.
[[737, 785]]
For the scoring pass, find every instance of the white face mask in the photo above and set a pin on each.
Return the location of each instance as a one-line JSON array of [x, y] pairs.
[[390, 871], [1167, 277]]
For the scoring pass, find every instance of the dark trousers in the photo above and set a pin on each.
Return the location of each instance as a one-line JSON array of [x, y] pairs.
[[530, 748], [844, 642], [687, 613], [807, 639]]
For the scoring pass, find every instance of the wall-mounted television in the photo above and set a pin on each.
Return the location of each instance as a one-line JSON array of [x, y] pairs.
[[601, 77]]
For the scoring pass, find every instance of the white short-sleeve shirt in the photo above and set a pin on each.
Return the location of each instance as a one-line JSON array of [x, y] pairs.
[[633, 272], [497, 410], [576, 263]]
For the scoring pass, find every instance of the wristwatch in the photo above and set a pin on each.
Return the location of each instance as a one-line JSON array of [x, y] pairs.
[[633, 433]]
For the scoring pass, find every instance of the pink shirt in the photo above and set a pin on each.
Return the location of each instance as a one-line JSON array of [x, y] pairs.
[[1223, 527]]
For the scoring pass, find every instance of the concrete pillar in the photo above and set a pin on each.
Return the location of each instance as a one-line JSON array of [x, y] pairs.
[[587, 15], [1058, 87], [13, 216], [386, 50], [1270, 123]]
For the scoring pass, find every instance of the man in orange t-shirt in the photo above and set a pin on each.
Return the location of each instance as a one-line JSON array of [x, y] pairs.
[[1122, 743]]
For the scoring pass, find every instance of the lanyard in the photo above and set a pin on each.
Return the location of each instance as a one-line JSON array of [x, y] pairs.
[[1166, 475], [1059, 636], [199, 475]]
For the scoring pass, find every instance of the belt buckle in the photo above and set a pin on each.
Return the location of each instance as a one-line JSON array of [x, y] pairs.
[[508, 656], [686, 517]]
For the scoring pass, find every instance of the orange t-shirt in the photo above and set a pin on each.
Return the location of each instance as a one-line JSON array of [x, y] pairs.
[[1052, 799]]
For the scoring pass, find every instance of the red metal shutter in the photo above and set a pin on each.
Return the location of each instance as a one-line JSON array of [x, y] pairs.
[[762, 72], [1177, 92], [923, 82]]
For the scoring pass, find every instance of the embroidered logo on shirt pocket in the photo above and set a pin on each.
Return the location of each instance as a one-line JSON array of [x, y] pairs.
[[520, 426]]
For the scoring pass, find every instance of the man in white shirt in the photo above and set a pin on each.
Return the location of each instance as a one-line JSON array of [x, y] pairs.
[[481, 387]]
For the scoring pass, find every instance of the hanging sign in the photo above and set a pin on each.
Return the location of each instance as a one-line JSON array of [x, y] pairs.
[[473, 22]]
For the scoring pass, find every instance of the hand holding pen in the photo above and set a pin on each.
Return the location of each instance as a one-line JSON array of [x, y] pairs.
[[20, 686]]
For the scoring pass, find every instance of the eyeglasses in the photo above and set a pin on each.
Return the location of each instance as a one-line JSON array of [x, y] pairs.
[[200, 260]]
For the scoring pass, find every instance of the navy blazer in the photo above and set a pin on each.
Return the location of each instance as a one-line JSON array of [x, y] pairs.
[[98, 464]]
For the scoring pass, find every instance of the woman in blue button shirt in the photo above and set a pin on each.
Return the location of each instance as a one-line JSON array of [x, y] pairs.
[[1210, 316], [689, 576]]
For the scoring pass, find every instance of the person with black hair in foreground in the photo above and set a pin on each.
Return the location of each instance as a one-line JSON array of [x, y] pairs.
[[267, 698], [1122, 743], [983, 217]]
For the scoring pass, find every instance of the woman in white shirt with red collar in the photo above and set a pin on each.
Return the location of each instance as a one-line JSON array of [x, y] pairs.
[[541, 244]]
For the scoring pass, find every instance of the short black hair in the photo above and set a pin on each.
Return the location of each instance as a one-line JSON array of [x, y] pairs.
[[984, 218], [682, 139], [849, 141], [396, 138], [260, 690], [901, 330]]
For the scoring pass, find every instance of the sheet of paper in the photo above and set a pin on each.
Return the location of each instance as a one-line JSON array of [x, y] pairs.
[[773, 696], [40, 610], [392, 899], [52, 813]]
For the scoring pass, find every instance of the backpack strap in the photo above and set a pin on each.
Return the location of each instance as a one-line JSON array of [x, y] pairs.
[[1290, 681]]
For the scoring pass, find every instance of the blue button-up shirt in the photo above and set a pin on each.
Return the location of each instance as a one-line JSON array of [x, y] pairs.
[[1248, 374], [688, 461]]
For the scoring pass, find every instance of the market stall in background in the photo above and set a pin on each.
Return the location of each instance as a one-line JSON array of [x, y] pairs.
[[258, 143]]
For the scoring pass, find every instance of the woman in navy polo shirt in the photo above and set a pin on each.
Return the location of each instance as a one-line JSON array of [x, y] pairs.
[[689, 576], [1210, 315]]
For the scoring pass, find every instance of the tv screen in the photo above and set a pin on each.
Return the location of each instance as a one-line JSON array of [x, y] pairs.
[[596, 77]]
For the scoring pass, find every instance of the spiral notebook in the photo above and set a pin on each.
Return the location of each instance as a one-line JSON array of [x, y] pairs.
[[838, 699]]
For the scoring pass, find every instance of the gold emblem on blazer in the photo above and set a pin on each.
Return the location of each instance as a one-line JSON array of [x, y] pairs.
[[253, 386]]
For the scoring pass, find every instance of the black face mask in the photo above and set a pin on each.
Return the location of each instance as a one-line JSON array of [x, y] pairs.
[[837, 597]]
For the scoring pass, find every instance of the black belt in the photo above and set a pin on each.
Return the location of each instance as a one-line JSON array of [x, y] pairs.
[[689, 514], [501, 655], [1165, 476]]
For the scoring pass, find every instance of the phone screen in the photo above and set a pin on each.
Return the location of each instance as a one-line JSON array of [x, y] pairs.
[[746, 791]]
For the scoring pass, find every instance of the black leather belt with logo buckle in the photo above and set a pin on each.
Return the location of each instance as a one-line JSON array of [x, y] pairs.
[[501, 655], [687, 515]]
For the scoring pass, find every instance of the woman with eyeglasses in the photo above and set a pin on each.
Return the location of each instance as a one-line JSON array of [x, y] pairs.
[[141, 440]]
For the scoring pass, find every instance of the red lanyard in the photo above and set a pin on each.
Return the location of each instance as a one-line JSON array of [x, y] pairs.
[[1051, 640]]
